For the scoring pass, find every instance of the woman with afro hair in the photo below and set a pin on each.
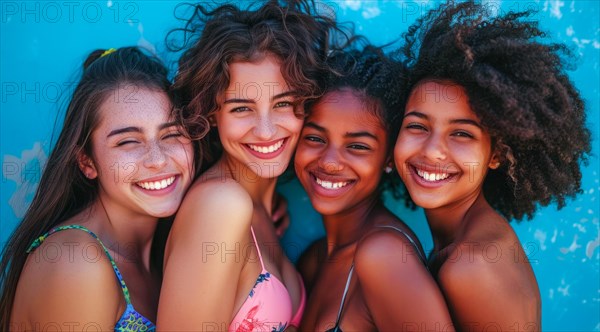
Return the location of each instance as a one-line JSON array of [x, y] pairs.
[[493, 128]]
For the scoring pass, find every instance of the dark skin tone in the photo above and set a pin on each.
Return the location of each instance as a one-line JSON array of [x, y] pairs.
[[444, 155], [340, 163]]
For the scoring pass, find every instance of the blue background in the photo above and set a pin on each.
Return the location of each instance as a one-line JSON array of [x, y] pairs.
[[44, 43]]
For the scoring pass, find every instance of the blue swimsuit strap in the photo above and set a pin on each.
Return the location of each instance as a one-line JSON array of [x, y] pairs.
[[41, 239]]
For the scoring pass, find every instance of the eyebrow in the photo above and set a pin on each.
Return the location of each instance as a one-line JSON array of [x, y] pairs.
[[275, 97], [453, 121], [138, 129], [357, 134]]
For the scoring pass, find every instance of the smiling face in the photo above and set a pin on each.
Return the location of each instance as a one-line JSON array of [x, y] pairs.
[[442, 152], [256, 121], [341, 154], [140, 158]]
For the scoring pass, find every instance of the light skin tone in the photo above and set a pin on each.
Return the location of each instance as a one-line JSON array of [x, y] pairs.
[[259, 131], [443, 154], [340, 159], [135, 146]]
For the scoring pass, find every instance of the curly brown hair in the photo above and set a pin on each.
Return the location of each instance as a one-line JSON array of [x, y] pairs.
[[292, 31], [517, 86]]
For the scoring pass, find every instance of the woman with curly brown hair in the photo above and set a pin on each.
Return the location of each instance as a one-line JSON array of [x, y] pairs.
[[493, 128], [244, 79]]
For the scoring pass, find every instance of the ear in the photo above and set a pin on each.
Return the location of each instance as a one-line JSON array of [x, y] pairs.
[[212, 120], [86, 165], [389, 165], [494, 161]]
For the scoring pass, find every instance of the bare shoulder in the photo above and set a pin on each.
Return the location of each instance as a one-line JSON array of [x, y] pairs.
[[487, 247], [489, 263], [223, 201], [396, 285], [218, 193], [68, 266], [385, 247]]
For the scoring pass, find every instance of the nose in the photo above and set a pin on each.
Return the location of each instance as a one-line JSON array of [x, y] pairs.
[[265, 129], [331, 161], [156, 156], [435, 148]]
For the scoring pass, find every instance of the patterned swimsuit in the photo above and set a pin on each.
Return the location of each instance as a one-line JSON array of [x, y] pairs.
[[268, 306], [131, 320]]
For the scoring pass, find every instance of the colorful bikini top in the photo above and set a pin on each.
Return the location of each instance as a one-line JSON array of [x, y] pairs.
[[131, 320], [337, 327], [268, 307]]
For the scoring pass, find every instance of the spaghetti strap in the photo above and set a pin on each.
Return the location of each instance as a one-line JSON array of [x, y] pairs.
[[336, 328], [38, 242], [257, 248], [421, 256]]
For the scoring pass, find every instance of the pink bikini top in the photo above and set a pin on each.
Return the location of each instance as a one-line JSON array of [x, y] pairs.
[[269, 304]]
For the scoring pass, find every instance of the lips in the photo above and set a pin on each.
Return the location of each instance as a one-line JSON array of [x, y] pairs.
[[266, 150], [328, 186], [156, 185], [331, 185], [431, 177]]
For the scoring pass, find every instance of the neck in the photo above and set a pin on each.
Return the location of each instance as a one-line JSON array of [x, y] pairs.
[[126, 233], [260, 189], [447, 223], [347, 227]]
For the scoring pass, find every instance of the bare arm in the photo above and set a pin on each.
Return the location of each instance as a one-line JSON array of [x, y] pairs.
[[398, 289], [203, 258]]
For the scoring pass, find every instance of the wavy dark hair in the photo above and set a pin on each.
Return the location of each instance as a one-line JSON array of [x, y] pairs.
[[516, 84], [63, 190], [213, 38], [380, 82]]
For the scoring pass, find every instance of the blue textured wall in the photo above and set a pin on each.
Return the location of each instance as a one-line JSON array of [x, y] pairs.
[[43, 43]]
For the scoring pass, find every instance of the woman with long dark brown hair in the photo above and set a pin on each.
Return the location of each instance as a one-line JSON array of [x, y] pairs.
[[80, 259]]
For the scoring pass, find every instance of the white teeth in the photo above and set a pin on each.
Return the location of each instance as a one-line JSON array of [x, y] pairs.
[[266, 149], [431, 177], [331, 185], [156, 185]]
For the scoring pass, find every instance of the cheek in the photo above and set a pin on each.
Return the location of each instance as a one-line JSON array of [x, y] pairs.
[[115, 166], [304, 154], [183, 154], [370, 169], [290, 123], [399, 150]]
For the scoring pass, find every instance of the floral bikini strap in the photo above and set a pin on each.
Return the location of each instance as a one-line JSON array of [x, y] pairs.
[[41, 239]]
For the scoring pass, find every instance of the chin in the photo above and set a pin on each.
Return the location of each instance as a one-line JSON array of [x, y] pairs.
[[164, 213]]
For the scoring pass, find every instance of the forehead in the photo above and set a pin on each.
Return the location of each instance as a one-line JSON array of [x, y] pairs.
[[345, 109], [440, 99], [438, 91], [131, 105]]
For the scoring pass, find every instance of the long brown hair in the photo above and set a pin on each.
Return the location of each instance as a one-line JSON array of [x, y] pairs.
[[63, 190]]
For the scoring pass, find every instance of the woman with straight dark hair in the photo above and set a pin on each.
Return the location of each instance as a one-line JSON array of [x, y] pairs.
[[80, 259]]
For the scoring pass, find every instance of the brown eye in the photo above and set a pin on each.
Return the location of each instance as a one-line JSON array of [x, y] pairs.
[[240, 109]]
